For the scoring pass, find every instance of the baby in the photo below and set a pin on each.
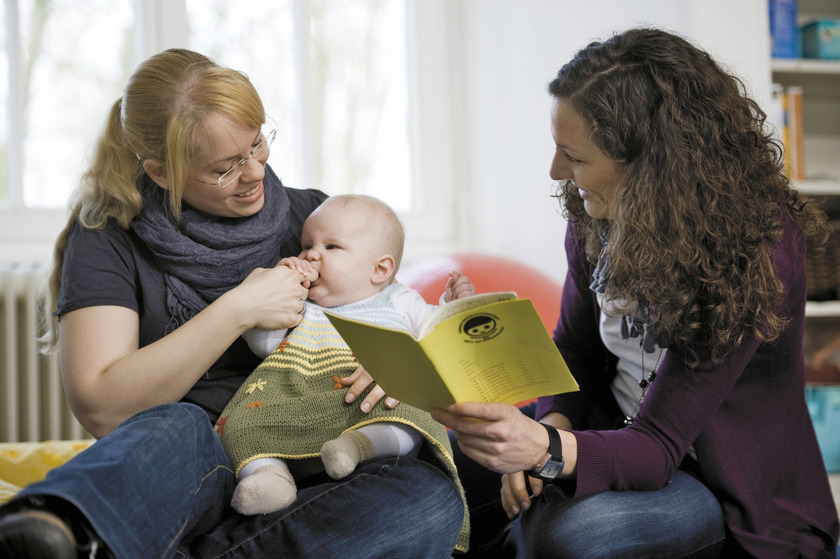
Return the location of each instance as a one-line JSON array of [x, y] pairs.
[[291, 409]]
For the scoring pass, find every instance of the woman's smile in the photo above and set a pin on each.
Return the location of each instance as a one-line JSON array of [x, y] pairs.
[[252, 194], [578, 159]]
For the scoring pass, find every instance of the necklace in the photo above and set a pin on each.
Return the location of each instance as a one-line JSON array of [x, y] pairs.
[[644, 383]]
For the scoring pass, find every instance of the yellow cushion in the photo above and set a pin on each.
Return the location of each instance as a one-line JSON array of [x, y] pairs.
[[25, 463]]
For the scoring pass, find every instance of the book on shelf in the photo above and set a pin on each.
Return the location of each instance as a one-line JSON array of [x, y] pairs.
[[796, 135], [779, 115], [789, 123], [784, 28], [491, 347]]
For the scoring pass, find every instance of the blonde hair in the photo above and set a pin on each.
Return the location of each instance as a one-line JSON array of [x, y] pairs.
[[161, 116]]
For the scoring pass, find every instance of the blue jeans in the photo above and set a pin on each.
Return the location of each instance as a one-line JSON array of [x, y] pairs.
[[682, 520], [160, 486]]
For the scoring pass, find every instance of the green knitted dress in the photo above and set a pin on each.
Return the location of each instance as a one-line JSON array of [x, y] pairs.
[[292, 403]]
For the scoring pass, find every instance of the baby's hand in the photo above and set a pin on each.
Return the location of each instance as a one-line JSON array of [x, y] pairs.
[[301, 266], [458, 286]]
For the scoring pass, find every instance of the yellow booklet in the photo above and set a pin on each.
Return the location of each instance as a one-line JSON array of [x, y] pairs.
[[487, 348]]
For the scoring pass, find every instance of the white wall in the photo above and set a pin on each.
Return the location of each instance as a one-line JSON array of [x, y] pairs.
[[487, 135], [509, 52]]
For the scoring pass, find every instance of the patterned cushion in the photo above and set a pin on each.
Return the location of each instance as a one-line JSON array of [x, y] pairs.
[[25, 463]]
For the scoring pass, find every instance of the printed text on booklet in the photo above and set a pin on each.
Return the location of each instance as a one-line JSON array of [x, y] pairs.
[[487, 348]]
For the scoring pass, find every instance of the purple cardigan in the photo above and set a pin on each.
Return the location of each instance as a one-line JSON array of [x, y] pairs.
[[746, 417]]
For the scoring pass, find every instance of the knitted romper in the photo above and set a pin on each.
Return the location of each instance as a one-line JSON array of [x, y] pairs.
[[292, 403]]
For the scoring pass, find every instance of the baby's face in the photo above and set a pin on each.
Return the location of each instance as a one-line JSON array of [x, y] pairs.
[[340, 242]]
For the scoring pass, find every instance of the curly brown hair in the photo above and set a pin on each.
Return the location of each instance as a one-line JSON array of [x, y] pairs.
[[703, 184]]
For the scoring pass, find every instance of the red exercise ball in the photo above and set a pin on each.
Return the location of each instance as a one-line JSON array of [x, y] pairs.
[[488, 274]]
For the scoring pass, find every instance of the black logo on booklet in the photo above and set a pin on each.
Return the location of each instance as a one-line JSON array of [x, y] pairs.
[[480, 328]]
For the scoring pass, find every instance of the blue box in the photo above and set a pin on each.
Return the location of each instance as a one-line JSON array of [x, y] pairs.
[[821, 39], [824, 405], [784, 29]]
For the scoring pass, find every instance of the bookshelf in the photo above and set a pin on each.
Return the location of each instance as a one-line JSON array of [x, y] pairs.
[[803, 66], [820, 82], [814, 309]]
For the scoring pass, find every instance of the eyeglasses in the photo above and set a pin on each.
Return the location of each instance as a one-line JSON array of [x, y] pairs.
[[261, 148]]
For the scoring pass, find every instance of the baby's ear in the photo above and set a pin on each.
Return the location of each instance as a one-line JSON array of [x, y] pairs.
[[383, 269]]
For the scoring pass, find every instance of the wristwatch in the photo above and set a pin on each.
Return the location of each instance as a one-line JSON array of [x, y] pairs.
[[550, 466]]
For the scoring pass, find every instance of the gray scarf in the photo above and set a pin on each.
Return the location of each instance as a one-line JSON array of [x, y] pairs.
[[203, 256]]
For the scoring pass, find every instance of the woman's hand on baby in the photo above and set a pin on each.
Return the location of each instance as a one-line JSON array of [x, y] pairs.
[[358, 383], [301, 266], [458, 286], [271, 298]]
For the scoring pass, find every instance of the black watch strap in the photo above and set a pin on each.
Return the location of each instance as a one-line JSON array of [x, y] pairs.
[[554, 463]]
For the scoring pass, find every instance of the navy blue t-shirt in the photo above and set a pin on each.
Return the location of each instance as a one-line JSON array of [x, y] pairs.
[[113, 266]]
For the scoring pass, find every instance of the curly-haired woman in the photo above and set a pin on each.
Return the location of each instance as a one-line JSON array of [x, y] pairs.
[[682, 318]]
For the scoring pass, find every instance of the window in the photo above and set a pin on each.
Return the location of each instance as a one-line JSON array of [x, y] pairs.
[[336, 76], [61, 79], [333, 74]]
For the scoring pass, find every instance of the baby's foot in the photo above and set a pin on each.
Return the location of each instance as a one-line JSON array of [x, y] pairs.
[[341, 456], [268, 489]]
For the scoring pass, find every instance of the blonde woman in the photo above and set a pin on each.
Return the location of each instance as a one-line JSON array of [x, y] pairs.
[[170, 255]]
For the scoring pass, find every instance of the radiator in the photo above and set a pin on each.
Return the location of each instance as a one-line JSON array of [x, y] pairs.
[[33, 406]]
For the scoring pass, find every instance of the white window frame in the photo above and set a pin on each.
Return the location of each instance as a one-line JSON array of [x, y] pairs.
[[433, 226]]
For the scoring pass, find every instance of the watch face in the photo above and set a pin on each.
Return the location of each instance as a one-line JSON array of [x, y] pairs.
[[551, 470]]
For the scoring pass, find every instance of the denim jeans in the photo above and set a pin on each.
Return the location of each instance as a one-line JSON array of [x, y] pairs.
[[683, 520], [160, 486]]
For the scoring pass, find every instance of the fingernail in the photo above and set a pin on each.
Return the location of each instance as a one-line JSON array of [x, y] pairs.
[[365, 407], [390, 402], [350, 397]]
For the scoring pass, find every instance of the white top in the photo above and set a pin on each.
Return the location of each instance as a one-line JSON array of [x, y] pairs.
[[625, 386], [407, 301]]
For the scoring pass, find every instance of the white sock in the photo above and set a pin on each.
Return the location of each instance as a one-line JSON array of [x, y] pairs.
[[341, 456], [264, 487]]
